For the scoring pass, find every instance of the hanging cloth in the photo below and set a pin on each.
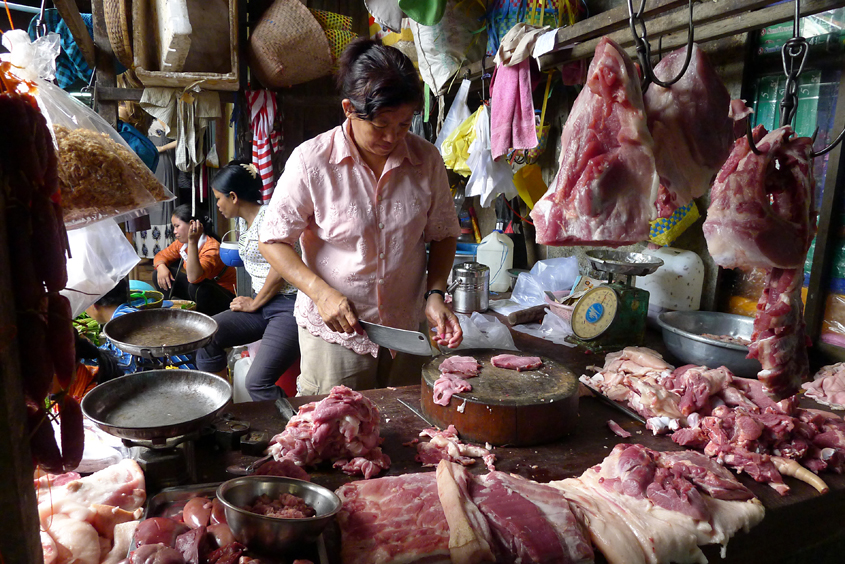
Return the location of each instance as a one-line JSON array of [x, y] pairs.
[[265, 139], [512, 109], [187, 113]]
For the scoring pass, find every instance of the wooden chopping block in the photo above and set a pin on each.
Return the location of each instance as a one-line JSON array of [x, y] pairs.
[[529, 315], [506, 407]]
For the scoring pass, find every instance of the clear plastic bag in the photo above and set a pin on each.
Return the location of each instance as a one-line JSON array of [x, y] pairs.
[[483, 332], [553, 275], [99, 174], [458, 113], [100, 257]]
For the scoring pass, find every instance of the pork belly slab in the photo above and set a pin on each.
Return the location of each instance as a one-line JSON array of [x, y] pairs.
[[532, 522], [395, 519], [452, 516], [606, 185], [638, 510]]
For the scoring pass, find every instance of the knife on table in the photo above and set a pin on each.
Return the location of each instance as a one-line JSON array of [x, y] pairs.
[[411, 342], [418, 413], [615, 404]]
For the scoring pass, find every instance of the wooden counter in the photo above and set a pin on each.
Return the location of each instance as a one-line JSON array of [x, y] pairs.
[[803, 526]]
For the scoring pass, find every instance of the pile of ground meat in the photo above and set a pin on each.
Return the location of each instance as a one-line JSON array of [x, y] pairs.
[[286, 506]]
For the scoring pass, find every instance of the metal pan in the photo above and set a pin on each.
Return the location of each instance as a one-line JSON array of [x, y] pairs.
[[161, 332], [157, 404]]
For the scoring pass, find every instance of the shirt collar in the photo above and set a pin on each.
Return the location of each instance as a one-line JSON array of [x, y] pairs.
[[343, 147]]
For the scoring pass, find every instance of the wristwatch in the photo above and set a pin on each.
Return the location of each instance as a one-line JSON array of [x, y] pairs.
[[435, 291]]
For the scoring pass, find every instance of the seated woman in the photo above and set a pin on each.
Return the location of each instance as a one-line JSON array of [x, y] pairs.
[[114, 304], [268, 315], [206, 280]]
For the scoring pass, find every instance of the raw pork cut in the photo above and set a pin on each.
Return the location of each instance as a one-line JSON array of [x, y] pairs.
[[516, 362], [470, 539], [393, 519], [465, 366], [691, 125], [606, 186], [533, 522], [828, 386], [447, 385], [120, 485], [343, 427], [778, 340], [445, 445], [760, 212], [638, 510]]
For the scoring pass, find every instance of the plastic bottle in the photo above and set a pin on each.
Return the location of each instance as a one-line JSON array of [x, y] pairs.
[[496, 252]]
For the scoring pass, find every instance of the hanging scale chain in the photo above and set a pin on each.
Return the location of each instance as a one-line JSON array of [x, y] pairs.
[[794, 54]]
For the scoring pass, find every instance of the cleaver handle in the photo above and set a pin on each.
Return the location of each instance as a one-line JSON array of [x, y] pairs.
[[529, 315]]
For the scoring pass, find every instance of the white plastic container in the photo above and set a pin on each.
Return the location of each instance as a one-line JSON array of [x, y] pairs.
[[677, 284], [496, 252]]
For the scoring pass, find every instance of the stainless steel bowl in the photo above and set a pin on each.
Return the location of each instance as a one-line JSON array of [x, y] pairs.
[[683, 330], [271, 534]]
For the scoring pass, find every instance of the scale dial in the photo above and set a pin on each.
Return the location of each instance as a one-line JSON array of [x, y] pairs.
[[595, 312]]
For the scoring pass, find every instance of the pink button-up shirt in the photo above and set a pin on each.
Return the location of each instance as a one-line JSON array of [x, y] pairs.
[[365, 236]]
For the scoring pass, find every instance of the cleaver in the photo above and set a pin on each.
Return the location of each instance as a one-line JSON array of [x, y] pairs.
[[411, 342]]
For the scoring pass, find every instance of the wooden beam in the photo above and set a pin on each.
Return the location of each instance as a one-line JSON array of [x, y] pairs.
[[114, 94], [70, 14], [712, 20], [105, 66]]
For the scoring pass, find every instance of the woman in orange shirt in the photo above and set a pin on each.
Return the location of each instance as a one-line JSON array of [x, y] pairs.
[[205, 279]]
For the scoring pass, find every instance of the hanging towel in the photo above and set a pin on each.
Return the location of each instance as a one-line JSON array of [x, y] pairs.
[[518, 43], [265, 140], [512, 109]]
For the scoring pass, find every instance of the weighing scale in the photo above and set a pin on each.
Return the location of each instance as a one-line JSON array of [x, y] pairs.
[[613, 315]]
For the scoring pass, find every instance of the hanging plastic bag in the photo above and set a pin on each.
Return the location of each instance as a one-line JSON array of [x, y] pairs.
[[458, 113], [530, 184], [101, 256], [455, 148], [443, 47], [489, 178], [99, 174]]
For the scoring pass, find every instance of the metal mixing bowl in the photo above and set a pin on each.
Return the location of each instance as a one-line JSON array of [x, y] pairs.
[[683, 330], [272, 535]]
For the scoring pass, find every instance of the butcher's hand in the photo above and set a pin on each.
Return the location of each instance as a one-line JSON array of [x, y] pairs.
[[337, 311], [444, 322], [243, 303], [164, 276]]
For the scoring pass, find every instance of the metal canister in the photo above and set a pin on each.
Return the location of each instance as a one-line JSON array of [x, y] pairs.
[[470, 287]]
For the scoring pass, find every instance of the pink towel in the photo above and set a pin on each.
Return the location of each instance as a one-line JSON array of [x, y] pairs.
[[512, 109]]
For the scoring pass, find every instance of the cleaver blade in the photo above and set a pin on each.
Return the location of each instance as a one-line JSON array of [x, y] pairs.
[[411, 342]]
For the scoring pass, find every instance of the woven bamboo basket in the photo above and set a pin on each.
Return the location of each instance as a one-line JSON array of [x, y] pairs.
[[118, 15]]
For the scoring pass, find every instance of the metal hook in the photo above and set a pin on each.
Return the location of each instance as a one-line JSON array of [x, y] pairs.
[[40, 26], [644, 49], [749, 135]]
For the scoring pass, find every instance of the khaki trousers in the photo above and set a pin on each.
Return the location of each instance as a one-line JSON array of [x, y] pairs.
[[325, 365]]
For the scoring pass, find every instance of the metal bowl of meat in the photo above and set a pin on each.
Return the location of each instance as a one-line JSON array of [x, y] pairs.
[[710, 338], [270, 534]]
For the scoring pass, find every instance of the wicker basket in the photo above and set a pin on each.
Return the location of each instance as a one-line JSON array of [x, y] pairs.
[[288, 46], [146, 59], [118, 16]]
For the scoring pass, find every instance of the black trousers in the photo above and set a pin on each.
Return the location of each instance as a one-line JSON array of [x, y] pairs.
[[211, 298]]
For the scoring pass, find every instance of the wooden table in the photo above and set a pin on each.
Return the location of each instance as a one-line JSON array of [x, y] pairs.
[[803, 526]]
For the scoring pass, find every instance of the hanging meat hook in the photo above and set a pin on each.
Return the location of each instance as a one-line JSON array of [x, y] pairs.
[[644, 48], [794, 56]]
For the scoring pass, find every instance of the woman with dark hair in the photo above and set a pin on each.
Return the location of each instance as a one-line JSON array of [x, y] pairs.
[[268, 314], [205, 279], [363, 200]]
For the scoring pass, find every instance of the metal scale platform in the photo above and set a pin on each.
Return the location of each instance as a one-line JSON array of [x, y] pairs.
[[613, 315]]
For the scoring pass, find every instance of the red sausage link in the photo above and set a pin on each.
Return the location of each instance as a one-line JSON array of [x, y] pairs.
[[73, 433], [42, 440], [35, 356], [61, 339], [48, 250]]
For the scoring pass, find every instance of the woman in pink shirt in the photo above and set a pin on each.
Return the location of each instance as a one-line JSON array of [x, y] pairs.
[[363, 199]]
